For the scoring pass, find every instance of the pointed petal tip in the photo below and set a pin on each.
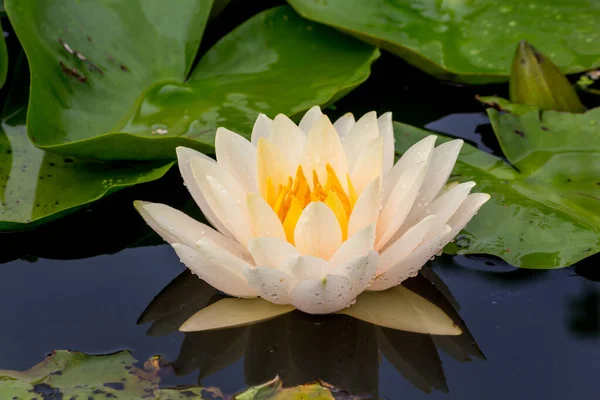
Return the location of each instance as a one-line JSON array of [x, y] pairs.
[[386, 116], [140, 204]]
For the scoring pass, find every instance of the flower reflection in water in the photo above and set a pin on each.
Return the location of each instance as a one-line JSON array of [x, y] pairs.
[[338, 349]]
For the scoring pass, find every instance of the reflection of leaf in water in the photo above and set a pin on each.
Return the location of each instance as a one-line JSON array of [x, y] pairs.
[[300, 348]]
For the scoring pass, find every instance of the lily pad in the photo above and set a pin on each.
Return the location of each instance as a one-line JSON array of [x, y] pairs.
[[37, 186], [74, 375], [112, 80], [544, 211], [78, 376], [468, 41]]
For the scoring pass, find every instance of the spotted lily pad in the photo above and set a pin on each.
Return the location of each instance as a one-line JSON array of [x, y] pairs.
[[544, 211], [113, 79], [78, 376], [468, 41]]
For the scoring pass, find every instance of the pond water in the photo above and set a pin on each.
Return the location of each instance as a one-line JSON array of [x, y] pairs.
[[529, 333]]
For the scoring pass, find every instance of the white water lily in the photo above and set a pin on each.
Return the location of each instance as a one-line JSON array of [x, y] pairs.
[[312, 215]]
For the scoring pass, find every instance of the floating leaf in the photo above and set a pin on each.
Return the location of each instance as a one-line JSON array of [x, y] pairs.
[[535, 80], [546, 215], [73, 375], [401, 309], [100, 89], [66, 374], [232, 312], [468, 41], [38, 186]]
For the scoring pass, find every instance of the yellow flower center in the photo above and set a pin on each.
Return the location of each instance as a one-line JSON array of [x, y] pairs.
[[289, 200]]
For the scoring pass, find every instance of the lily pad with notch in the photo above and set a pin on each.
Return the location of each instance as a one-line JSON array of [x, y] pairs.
[[112, 79]]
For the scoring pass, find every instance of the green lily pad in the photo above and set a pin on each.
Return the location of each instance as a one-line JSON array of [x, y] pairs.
[[464, 40], [112, 79], [37, 186], [543, 213], [78, 376]]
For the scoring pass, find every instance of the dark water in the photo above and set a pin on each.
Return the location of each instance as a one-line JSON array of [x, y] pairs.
[[528, 334]]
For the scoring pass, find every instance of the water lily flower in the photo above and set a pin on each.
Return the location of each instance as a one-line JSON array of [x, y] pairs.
[[311, 215]]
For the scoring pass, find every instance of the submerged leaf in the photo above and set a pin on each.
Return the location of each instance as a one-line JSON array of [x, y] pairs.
[[536, 81], [232, 312], [468, 41], [100, 89], [401, 309]]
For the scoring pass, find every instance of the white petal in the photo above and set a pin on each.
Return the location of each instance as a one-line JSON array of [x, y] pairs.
[[270, 163], [446, 205], [307, 267], [288, 141], [466, 211], [238, 156], [399, 203], [272, 284], [358, 245], [263, 220], [410, 265], [441, 165], [309, 118], [368, 166], [366, 209], [230, 313], [361, 270], [318, 231], [343, 124], [418, 152], [323, 296], [176, 227], [219, 256], [404, 246], [360, 135], [262, 128], [386, 131], [232, 212], [184, 155], [215, 274], [323, 146], [272, 252]]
